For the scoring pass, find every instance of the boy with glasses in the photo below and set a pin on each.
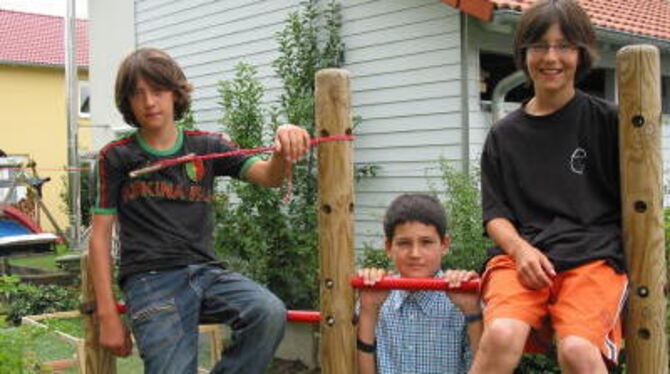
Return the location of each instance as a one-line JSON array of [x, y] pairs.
[[551, 203]]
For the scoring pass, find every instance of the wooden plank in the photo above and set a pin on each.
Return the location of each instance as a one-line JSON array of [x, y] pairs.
[[336, 205], [638, 72], [63, 336], [96, 359]]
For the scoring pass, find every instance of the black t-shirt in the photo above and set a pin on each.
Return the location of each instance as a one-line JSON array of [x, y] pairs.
[[556, 178], [165, 216]]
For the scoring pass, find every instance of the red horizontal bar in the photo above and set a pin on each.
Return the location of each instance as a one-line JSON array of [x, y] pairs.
[[415, 284], [412, 284], [307, 316], [121, 308]]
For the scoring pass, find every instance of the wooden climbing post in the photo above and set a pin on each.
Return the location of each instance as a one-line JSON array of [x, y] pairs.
[[336, 210], [96, 359], [638, 72]]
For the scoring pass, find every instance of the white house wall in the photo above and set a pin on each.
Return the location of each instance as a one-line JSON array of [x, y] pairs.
[[209, 38], [405, 59]]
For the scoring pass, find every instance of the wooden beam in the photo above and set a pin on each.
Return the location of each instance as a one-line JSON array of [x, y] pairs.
[[96, 359], [638, 72], [336, 209]]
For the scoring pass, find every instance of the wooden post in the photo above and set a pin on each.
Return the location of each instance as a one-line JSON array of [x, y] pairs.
[[642, 198], [336, 209], [96, 359]]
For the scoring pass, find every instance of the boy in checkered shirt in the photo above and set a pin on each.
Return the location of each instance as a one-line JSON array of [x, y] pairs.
[[417, 331]]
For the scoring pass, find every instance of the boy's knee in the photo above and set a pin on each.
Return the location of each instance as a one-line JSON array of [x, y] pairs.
[[506, 335], [579, 354]]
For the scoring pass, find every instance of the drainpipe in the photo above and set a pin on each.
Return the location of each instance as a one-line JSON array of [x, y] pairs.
[[72, 110], [465, 96], [500, 91]]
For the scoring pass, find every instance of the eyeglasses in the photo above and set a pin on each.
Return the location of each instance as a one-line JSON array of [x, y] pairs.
[[560, 48]]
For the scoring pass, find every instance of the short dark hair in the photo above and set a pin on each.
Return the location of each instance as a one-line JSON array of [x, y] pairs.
[[415, 208], [159, 70], [574, 23]]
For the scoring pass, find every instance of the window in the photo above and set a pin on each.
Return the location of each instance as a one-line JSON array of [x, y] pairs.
[[495, 67], [84, 99]]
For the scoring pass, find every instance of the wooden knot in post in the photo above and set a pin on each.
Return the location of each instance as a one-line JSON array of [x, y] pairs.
[[638, 120], [640, 206], [644, 333], [643, 291], [326, 208]]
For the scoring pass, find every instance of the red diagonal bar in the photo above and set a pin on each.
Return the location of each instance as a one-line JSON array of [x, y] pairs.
[[416, 284], [191, 157]]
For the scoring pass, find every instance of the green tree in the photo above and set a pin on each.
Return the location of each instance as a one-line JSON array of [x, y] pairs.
[[279, 245]]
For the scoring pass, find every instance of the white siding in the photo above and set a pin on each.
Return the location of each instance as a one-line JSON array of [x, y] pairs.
[[208, 38], [405, 59]]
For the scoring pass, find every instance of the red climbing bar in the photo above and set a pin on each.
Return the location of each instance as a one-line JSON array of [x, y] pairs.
[[388, 283], [307, 316], [121, 308], [415, 284]]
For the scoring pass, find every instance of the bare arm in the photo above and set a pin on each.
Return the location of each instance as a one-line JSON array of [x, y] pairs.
[[366, 334], [468, 303], [371, 302], [291, 144], [113, 333], [533, 267]]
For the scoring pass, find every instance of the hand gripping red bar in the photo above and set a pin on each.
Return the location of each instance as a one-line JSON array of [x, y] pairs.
[[415, 284], [389, 283]]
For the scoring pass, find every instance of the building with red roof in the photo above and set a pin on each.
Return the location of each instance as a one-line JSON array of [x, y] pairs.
[[36, 39], [32, 97]]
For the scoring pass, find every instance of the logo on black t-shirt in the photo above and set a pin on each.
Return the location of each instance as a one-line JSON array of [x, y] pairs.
[[195, 170], [578, 161]]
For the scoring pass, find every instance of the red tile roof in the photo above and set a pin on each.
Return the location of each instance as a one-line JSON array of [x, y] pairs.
[[640, 17], [37, 39]]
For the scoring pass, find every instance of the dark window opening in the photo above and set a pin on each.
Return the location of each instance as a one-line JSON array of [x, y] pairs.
[[495, 67]]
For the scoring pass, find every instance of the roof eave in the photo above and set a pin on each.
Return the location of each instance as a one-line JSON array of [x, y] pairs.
[[507, 16], [37, 64]]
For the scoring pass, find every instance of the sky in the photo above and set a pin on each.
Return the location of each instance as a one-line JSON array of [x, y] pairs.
[[51, 7]]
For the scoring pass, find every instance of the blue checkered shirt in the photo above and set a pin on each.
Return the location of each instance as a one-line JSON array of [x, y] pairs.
[[421, 332]]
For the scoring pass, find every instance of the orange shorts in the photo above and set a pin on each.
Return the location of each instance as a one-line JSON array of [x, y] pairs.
[[585, 301]]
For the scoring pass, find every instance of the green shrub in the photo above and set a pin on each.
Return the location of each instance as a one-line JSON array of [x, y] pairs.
[[27, 299], [17, 355], [279, 247], [85, 195], [372, 257], [462, 202]]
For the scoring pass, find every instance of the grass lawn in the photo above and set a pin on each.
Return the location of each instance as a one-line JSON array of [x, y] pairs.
[[44, 262]]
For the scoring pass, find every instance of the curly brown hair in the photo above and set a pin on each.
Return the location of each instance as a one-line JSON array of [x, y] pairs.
[[574, 23], [159, 70]]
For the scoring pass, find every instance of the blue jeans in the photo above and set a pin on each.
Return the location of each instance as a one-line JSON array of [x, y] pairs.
[[165, 308]]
